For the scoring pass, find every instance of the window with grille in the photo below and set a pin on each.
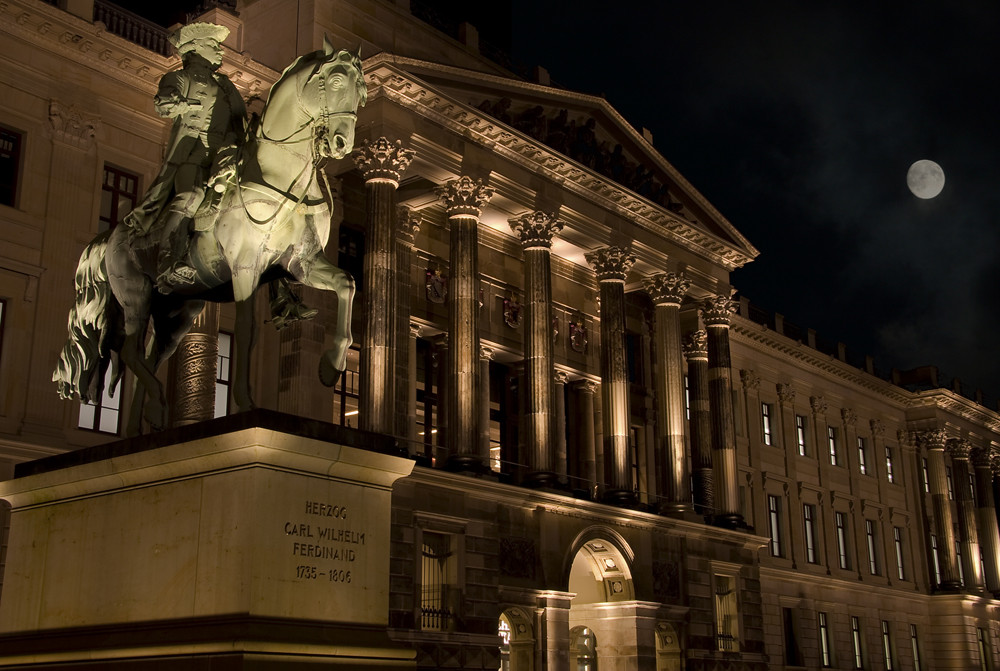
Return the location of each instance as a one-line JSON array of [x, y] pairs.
[[800, 434], [223, 373], [809, 519], [119, 193], [437, 572], [726, 613], [10, 165]]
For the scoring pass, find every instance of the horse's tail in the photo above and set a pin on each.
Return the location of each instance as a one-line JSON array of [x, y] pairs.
[[96, 329]]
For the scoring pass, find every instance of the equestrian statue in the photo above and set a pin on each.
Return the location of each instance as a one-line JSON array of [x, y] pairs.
[[235, 205]]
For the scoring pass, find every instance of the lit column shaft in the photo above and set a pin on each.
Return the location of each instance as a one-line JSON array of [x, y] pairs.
[[381, 162], [716, 313], [407, 225], [464, 200], [968, 534], [989, 533], [535, 231], [696, 352], [667, 291], [588, 431], [485, 356], [559, 435], [612, 265], [935, 441]]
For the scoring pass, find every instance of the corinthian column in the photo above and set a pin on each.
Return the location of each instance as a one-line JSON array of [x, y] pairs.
[[716, 313], [381, 162], [667, 291], [407, 225], [696, 353], [612, 265], [535, 231], [464, 199], [989, 535], [934, 442], [968, 534]]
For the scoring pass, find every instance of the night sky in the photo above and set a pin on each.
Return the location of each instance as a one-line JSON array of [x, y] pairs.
[[798, 121]]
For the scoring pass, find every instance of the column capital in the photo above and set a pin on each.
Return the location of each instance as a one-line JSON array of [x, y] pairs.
[[486, 352], [560, 376], [718, 310], [415, 329], [818, 405], [786, 393], [611, 263], [73, 126], [995, 462], [408, 223], [586, 386], [959, 448], [382, 160], [667, 288], [695, 345], [535, 229], [878, 428], [749, 379], [980, 457], [935, 439], [849, 416], [464, 197]]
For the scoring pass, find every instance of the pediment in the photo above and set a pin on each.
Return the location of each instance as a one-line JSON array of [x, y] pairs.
[[582, 137]]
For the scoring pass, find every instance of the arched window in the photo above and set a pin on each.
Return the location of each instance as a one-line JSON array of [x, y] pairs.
[[503, 631], [583, 648]]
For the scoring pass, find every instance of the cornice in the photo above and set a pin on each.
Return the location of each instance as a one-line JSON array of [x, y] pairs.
[[955, 404], [386, 80]]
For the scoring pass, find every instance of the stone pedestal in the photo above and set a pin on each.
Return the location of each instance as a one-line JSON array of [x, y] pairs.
[[254, 541]]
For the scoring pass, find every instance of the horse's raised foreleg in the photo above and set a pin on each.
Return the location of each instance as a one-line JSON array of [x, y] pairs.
[[324, 275]]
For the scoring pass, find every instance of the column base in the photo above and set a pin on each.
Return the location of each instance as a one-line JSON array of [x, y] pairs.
[[729, 521], [465, 463], [541, 480], [949, 587], [675, 508], [624, 498]]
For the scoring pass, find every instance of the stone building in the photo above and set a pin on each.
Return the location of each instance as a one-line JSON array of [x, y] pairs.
[[618, 465]]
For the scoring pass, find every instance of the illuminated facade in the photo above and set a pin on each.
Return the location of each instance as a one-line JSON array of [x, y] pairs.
[[618, 466]]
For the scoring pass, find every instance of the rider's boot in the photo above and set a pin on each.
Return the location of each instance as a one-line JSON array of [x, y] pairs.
[[171, 268], [286, 306]]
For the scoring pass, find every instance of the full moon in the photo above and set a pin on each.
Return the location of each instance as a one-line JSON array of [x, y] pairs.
[[925, 179]]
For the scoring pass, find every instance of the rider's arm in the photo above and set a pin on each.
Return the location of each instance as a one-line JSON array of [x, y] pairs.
[[169, 101]]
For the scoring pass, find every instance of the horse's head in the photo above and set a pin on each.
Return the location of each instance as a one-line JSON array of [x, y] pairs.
[[331, 95]]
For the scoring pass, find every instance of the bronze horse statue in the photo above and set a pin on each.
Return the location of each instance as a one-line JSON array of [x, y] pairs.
[[273, 222]]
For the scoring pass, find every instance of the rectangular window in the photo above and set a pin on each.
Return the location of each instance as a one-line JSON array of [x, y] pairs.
[[925, 475], [951, 484], [687, 399], [766, 412], [10, 165], [119, 193], [936, 560], [872, 555], [972, 489], [726, 613], [103, 416], [887, 646], [800, 434], [959, 562], [915, 644], [984, 650], [831, 439], [3, 318], [774, 520], [793, 654], [346, 393], [897, 541], [862, 457], [437, 581], [824, 642], [890, 476], [223, 371], [859, 660], [809, 517], [841, 521]]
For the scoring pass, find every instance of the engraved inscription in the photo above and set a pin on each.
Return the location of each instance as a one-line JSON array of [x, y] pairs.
[[329, 541]]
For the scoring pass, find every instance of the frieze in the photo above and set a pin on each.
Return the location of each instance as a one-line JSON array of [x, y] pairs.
[[382, 160]]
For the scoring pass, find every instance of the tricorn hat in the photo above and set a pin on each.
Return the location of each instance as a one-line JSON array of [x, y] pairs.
[[197, 31]]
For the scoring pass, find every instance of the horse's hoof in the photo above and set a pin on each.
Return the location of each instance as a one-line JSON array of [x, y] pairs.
[[328, 374]]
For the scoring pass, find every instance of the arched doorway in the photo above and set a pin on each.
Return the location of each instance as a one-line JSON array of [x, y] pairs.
[[517, 640], [668, 648]]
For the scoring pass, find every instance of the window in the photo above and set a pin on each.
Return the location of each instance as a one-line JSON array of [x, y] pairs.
[[958, 561], [859, 660], [793, 654], [831, 439], [119, 193], [351, 254], [862, 458], [872, 555], [897, 541], [935, 560], [925, 475], [888, 465], [3, 318], [915, 644], [766, 411], [10, 165], [223, 372], [824, 642], [726, 613], [634, 443], [951, 484], [887, 646], [841, 522], [104, 416], [800, 434], [345, 394], [809, 517], [984, 651], [438, 577], [774, 521], [583, 645], [687, 398], [634, 359]]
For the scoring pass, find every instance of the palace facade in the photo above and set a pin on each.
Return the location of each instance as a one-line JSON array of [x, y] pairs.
[[618, 464]]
